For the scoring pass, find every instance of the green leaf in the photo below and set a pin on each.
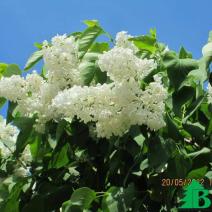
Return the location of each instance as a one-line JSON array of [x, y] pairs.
[[209, 175], [89, 70], [91, 23], [178, 69], [34, 58], [203, 151], [172, 128], [2, 102], [10, 111], [60, 129], [69, 207], [209, 128], [87, 38], [12, 69], [145, 42], [49, 197], [144, 164], [200, 75], [179, 166], [44, 72], [35, 146], [38, 45], [196, 130], [197, 173], [13, 200], [83, 197], [153, 33], [160, 148], [3, 67], [99, 47], [201, 158], [100, 77], [119, 199], [184, 54], [25, 126], [137, 136], [193, 107], [60, 158], [205, 109], [180, 98]]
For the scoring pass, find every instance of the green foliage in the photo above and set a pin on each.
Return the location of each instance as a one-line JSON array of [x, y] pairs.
[[87, 37], [146, 42], [81, 199], [26, 126], [75, 171], [12, 70], [90, 71], [3, 67]]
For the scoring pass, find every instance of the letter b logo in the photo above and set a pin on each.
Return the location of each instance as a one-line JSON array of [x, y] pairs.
[[195, 196], [201, 195]]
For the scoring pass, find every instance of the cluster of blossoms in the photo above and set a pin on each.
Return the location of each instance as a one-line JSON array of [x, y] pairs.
[[112, 107], [8, 137], [122, 41], [61, 61]]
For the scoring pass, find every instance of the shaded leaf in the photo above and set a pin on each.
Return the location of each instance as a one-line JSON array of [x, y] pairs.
[[83, 197], [160, 148], [25, 126], [60, 158], [197, 173]]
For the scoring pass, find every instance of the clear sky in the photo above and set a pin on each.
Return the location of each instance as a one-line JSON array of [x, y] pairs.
[[178, 22]]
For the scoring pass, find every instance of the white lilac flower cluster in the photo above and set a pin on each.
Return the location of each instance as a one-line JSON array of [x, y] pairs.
[[113, 107], [122, 41], [8, 137], [61, 61], [121, 64], [32, 94]]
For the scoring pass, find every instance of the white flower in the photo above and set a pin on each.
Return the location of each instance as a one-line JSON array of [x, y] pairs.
[[13, 88], [8, 136], [121, 64], [34, 82], [61, 61], [22, 172], [114, 107], [122, 40], [26, 155]]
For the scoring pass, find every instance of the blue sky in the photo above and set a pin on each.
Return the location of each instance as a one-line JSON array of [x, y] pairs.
[[178, 22]]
